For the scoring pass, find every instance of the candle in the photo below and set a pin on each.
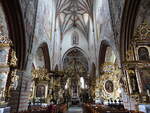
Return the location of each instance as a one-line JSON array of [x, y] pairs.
[[148, 92]]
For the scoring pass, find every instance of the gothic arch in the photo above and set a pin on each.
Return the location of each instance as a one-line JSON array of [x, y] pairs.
[[76, 54], [128, 22], [45, 50], [81, 50], [131, 20], [102, 52], [16, 33], [106, 54]]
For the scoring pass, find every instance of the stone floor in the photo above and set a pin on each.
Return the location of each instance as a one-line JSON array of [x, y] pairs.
[[75, 109]]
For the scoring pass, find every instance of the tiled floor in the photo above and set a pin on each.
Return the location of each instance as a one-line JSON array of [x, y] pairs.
[[75, 110]]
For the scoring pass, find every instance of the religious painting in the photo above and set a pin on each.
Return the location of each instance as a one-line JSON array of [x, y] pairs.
[[109, 86], [133, 83], [4, 56], [145, 77], [40, 91], [143, 53]]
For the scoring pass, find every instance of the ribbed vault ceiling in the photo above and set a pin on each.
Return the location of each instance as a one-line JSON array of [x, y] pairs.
[[74, 14]]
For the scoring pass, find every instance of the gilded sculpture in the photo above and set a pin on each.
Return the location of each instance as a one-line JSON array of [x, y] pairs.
[[142, 32], [4, 41], [5, 46], [109, 80], [41, 74], [14, 80], [13, 60]]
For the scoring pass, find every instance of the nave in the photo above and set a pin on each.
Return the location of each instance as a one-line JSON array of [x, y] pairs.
[[75, 109], [56, 54]]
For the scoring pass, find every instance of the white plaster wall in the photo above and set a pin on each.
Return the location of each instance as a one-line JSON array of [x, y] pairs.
[[43, 28], [39, 61], [67, 42], [104, 29], [3, 21]]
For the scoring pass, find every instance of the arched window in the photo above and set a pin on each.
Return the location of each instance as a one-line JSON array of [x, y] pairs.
[[75, 38], [143, 53], [39, 58], [110, 55]]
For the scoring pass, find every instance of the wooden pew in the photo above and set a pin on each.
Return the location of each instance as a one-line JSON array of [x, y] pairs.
[[89, 108]]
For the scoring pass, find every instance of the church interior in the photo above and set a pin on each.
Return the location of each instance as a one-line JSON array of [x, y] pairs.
[[74, 56]]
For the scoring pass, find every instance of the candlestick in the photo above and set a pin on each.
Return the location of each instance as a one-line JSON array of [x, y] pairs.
[[148, 92]]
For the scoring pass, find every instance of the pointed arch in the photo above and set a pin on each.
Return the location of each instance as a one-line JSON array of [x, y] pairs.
[[81, 50], [102, 51], [45, 50], [128, 22]]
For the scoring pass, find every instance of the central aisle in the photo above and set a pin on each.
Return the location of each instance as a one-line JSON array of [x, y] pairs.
[[75, 110]]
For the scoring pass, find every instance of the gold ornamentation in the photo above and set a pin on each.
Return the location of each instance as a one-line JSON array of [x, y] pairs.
[[136, 64], [13, 61], [129, 55], [111, 72], [104, 93], [142, 32], [14, 80], [141, 36], [3, 103], [13, 83], [41, 74], [109, 67], [131, 71], [4, 66], [4, 41], [4, 45], [136, 97], [56, 83]]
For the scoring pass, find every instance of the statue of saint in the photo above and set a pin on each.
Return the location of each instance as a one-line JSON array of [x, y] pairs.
[[14, 80]]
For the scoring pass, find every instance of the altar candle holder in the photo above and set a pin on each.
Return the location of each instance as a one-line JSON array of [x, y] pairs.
[[148, 93]]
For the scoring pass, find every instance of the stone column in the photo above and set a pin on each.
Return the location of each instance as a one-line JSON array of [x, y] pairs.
[[19, 97]]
